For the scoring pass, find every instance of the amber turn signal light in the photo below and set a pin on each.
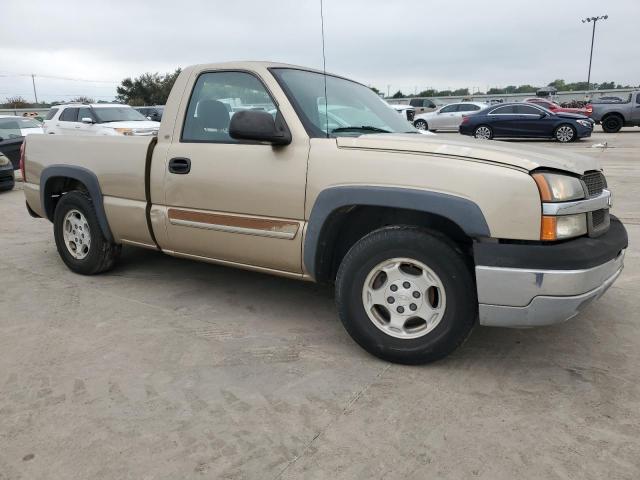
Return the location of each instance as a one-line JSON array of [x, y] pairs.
[[548, 228]]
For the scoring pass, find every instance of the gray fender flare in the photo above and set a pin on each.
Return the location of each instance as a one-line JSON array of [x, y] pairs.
[[88, 179], [464, 213]]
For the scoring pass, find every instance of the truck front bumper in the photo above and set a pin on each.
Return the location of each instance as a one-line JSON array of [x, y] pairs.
[[524, 285]]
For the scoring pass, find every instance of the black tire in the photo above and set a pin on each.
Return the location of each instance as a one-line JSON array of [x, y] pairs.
[[442, 258], [421, 124], [563, 128], [612, 123], [479, 129], [102, 254]]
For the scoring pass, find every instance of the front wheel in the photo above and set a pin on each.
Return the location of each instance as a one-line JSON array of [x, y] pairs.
[[483, 132], [612, 124], [406, 295], [421, 124], [565, 133]]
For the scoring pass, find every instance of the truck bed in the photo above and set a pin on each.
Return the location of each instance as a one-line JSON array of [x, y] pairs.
[[117, 162]]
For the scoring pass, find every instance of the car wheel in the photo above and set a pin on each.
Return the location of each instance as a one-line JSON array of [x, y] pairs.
[[79, 238], [565, 133], [483, 132], [406, 295], [421, 124], [612, 124]]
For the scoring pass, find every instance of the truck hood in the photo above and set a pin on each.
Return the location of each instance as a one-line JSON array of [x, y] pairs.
[[520, 156], [138, 125]]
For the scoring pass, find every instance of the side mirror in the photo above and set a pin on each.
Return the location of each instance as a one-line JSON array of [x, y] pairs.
[[87, 120], [259, 126]]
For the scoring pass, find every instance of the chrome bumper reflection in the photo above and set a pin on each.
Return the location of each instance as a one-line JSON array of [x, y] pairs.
[[511, 297]]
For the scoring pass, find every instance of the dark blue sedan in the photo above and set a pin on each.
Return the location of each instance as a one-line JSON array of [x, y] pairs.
[[521, 120]]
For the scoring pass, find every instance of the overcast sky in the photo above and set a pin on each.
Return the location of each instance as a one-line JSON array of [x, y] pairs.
[[407, 44]]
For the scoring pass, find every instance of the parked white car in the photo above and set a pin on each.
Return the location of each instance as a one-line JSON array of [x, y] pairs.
[[447, 117], [98, 119], [21, 126]]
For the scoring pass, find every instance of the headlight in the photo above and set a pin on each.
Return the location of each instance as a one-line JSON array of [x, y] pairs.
[[4, 161], [124, 131], [584, 123], [566, 226], [555, 187]]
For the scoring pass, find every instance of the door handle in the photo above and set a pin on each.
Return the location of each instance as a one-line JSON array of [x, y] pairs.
[[179, 165]]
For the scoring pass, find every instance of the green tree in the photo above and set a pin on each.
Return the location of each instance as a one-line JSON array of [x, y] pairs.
[[375, 90], [398, 94], [147, 89]]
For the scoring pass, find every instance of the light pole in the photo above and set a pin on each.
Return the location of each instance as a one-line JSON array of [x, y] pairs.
[[593, 34]]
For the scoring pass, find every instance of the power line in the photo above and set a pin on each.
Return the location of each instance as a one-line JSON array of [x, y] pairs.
[[57, 78]]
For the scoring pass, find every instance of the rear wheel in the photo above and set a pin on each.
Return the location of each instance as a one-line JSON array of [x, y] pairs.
[[406, 295], [421, 124], [565, 133], [612, 123], [483, 132], [79, 238]]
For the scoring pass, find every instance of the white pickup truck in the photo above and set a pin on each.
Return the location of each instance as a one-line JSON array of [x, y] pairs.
[[423, 236]]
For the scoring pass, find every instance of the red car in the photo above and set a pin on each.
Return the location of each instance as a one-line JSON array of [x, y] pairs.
[[555, 108]]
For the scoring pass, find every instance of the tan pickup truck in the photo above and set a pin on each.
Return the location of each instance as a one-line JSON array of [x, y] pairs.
[[423, 235]]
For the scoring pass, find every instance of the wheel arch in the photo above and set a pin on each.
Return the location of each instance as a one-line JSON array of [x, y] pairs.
[[342, 215], [56, 180]]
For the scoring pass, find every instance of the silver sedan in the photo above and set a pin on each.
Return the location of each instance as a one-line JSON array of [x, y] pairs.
[[447, 117]]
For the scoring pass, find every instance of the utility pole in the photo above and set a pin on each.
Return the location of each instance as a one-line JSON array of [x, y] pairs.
[[593, 35], [388, 88], [33, 80]]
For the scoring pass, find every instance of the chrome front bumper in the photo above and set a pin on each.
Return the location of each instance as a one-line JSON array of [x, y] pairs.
[[514, 297]]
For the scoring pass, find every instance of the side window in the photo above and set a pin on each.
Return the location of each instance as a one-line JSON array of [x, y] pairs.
[[449, 109], [84, 112], [216, 97], [415, 102], [638, 98], [506, 110], [527, 110], [468, 107], [51, 113], [69, 115], [429, 104]]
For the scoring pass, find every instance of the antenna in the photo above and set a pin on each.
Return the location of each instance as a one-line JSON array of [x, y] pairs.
[[324, 70]]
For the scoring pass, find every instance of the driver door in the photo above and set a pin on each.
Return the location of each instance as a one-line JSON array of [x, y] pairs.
[[233, 201]]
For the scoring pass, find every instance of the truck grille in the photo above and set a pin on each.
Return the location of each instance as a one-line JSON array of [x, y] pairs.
[[595, 183], [598, 222], [410, 115]]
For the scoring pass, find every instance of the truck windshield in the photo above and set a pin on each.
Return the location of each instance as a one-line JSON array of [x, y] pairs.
[[118, 114], [351, 109]]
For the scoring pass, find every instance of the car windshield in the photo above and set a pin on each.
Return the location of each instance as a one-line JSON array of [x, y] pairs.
[[18, 123], [9, 128], [118, 114], [350, 109]]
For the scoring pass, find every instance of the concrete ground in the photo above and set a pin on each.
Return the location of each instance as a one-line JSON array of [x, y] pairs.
[[171, 369]]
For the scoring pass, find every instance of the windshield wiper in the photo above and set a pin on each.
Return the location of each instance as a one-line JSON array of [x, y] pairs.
[[366, 128]]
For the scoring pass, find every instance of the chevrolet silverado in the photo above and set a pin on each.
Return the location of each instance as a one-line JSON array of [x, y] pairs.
[[288, 171]]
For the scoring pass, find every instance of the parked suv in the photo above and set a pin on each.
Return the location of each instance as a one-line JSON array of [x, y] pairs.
[[151, 113], [422, 105], [98, 119]]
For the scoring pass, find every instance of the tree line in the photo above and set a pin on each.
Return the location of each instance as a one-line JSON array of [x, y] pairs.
[[558, 84], [154, 88]]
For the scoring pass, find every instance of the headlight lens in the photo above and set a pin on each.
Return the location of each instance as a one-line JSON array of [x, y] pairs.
[[555, 187], [3, 161], [584, 123], [566, 226]]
